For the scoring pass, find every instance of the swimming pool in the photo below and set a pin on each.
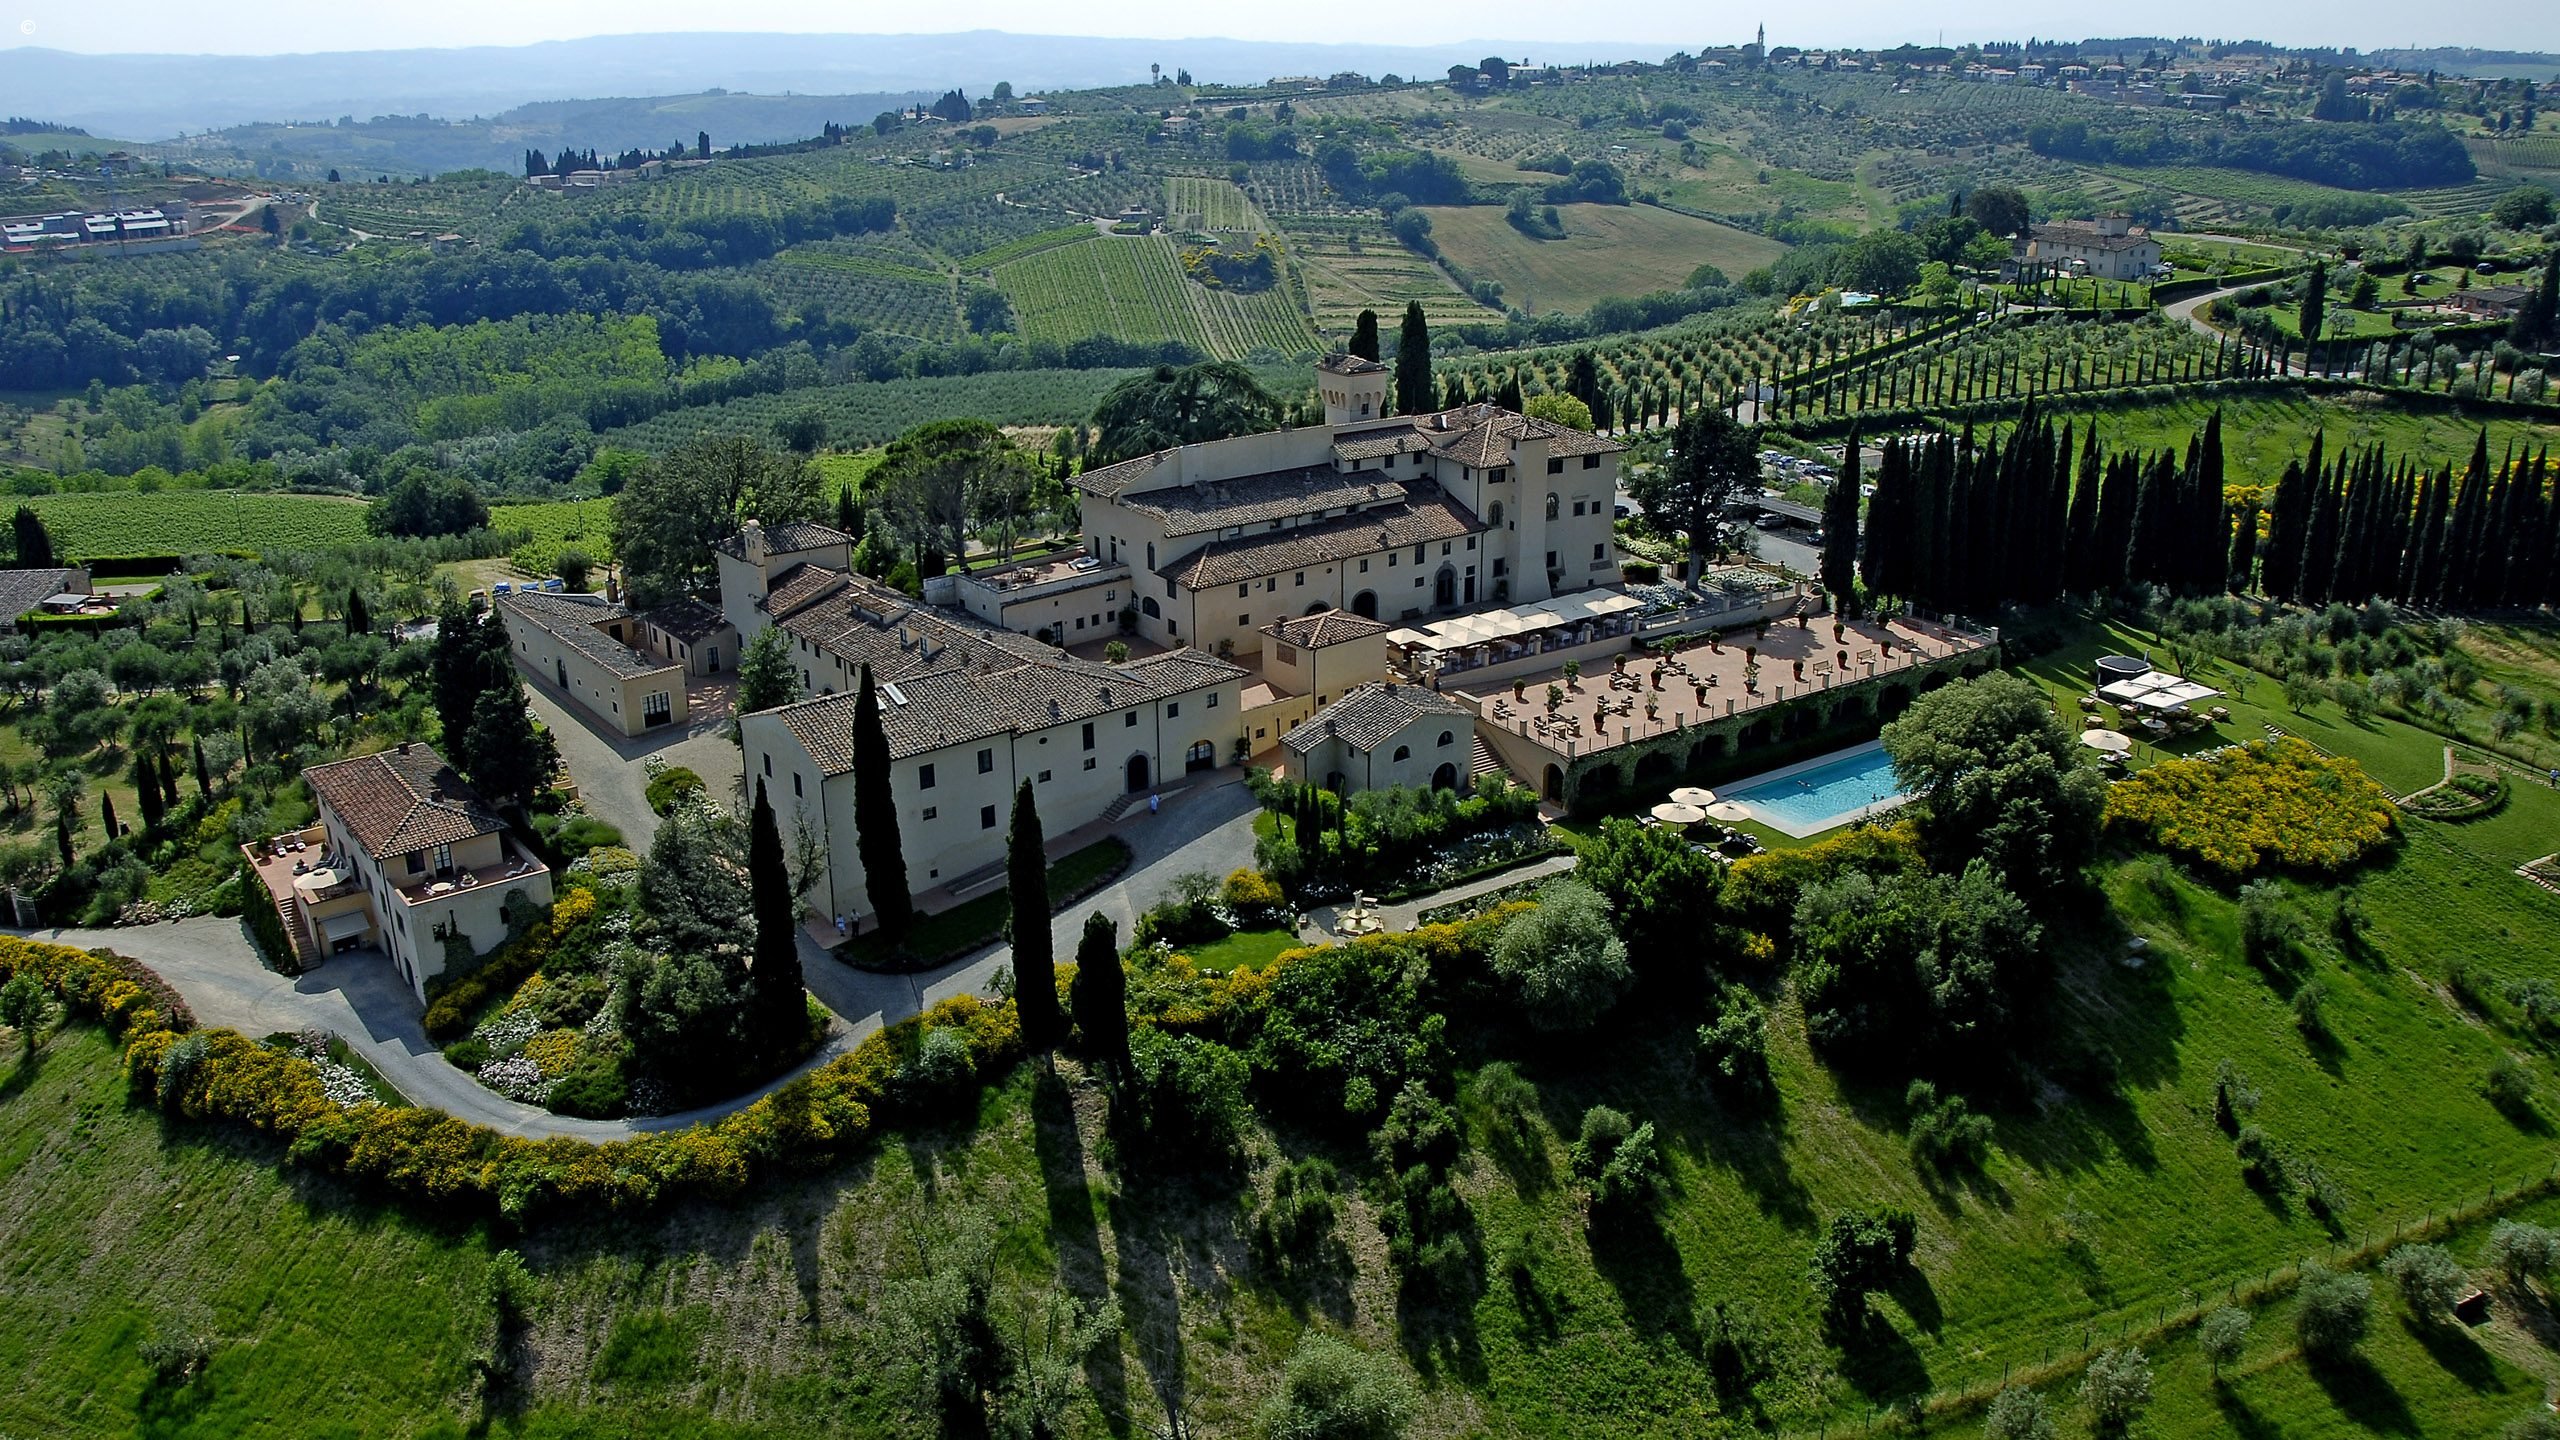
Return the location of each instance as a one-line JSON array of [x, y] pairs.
[[1817, 794]]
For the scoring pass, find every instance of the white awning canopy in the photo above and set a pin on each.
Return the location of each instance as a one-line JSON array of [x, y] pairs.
[[1560, 613], [2157, 690], [346, 926]]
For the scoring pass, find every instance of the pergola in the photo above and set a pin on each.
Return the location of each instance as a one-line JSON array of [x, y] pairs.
[[1504, 634], [2157, 691]]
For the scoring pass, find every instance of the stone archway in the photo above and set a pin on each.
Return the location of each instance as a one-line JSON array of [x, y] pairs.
[[1444, 588], [1554, 786], [1657, 764], [1445, 778], [1140, 768], [1365, 604]]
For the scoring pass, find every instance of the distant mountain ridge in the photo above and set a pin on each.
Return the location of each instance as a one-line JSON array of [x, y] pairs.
[[146, 97]]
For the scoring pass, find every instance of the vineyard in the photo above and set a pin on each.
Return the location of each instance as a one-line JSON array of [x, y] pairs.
[[1192, 203], [183, 522], [552, 526], [874, 412], [1133, 289], [1355, 265]]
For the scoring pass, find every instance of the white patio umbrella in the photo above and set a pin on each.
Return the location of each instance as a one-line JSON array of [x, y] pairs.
[[1671, 812], [1693, 795], [1729, 811], [2114, 742]]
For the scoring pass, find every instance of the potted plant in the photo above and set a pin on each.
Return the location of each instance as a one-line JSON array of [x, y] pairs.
[[1519, 689], [1573, 674], [1555, 698]]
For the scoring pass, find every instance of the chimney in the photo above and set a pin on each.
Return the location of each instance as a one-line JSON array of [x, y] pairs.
[[753, 536], [404, 747]]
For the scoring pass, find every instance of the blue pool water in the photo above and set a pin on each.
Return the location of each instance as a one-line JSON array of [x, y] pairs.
[[1822, 793]]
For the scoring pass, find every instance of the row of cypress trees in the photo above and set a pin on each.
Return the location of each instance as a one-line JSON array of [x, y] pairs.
[[2363, 524], [1964, 526]]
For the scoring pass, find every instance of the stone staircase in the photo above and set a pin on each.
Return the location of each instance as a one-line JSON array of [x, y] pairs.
[[1482, 764]]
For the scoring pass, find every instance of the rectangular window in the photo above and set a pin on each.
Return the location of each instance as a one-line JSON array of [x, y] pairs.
[[768, 767], [1590, 462], [1302, 577], [1555, 465], [1244, 622], [1600, 551], [1364, 565], [417, 862], [986, 762], [1498, 474], [1044, 777], [924, 777], [655, 707], [1213, 699], [1391, 561], [1129, 720], [1088, 734], [1270, 584], [1172, 709], [795, 782], [1088, 764], [931, 812], [986, 817], [1551, 559], [1501, 566], [1244, 589]]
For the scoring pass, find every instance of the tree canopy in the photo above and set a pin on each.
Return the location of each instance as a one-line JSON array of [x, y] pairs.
[[1180, 405], [1994, 776], [670, 515]]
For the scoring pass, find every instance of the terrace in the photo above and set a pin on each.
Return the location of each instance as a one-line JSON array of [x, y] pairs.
[[1716, 679]]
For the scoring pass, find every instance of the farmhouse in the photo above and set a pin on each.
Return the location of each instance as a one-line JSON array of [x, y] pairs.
[[2110, 247], [583, 645], [1307, 660], [1389, 518], [2490, 302], [759, 558], [405, 857], [970, 711], [22, 591]]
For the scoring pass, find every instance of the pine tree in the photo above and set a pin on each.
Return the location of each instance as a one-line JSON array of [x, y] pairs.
[[1840, 532], [875, 815], [1364, 336], [778, 1016], [1100, 994], [1413, 362], [1035, 969]]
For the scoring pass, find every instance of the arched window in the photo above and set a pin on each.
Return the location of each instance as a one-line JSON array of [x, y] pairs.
[[1552, 506], [1447, 739], [1150, 607], [1497, 515], [1404, 752]]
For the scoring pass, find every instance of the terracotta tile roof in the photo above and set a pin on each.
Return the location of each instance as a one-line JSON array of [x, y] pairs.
[[688, 620], [24, 590], [1107, 482], [787, 538], [401, 800], [959, 680], [1325, 627], [1343, 362], [800, 587], [1430, 515], [1371, 716], [572, 620], [1258, 499], [1400, 441]]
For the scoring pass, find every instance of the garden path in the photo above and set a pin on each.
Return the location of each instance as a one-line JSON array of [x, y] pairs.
[[212, 963]]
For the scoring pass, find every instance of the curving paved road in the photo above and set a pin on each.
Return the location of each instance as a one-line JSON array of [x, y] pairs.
[[212, 962]]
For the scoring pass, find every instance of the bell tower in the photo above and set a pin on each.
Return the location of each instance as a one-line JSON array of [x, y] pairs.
[[1354, 388]]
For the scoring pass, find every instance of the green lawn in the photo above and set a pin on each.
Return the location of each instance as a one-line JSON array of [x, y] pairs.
[[980, 920], [1243, 950]]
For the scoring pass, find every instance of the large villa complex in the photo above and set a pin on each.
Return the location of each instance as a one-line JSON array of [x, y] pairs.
[[1379, 600]]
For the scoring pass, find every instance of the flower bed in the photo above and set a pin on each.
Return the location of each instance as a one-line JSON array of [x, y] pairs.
[[2464, 795], [2279, 802]]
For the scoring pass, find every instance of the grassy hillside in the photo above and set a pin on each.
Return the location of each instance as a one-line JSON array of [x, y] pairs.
[[1607, 250]]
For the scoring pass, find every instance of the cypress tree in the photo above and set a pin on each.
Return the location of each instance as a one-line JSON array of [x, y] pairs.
[[1100, 994], [453, 678], [2320, 546], [2237, 562], [1035, 970], [34, 542], [875, 815], [146, 791], [1840, 532], [2427, 583], [62, 837], [2080, 524], [1413, 362], [1888, 523], [2288, 524], [778, 1016], [1364, 336], [204, 775], [2119, 505], [1507, 396], [359, 616], [107, 815]]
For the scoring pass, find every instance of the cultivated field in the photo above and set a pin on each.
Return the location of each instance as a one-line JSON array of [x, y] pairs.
[[1607, 250]]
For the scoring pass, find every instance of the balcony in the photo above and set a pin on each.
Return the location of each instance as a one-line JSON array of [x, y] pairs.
[[512, 865]]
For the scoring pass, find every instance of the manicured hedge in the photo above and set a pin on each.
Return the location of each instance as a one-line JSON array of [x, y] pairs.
[[457, 1005], [806, 1125]]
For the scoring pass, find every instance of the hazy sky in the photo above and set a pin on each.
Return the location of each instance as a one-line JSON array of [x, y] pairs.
[[1640, 28]]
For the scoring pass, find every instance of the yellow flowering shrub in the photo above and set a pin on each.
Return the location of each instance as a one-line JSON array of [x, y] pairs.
[[553, 1051], [2271, 801]]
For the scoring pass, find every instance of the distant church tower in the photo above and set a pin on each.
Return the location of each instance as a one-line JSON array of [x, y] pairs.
[[1761, 39]]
